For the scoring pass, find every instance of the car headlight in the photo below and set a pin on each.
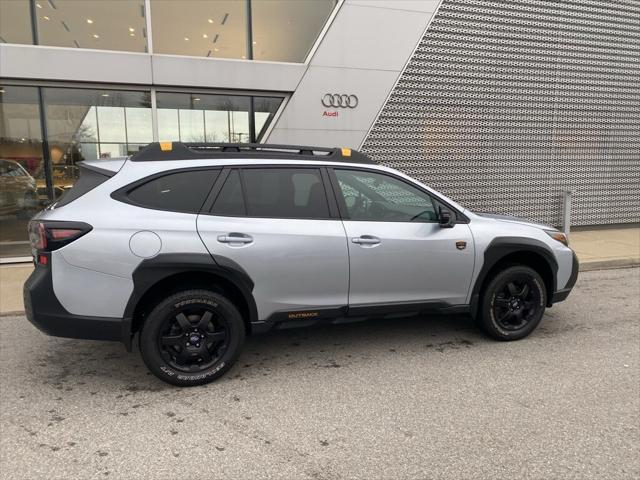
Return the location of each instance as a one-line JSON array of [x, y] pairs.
[[559, 236]]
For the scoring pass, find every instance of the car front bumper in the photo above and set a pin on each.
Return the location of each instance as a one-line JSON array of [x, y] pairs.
[[563, 293]]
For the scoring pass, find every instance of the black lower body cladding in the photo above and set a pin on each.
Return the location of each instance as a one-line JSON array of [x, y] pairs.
[[46, 313]]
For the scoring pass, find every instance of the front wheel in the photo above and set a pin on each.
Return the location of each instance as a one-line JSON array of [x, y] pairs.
[[513, 303], [192, 338]]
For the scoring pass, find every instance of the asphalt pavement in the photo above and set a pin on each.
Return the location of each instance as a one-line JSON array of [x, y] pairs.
[[384, 399]]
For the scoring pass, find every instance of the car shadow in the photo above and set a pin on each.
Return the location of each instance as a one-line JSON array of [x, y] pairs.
[[66, 364]]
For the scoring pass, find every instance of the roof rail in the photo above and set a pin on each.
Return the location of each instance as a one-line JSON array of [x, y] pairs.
[[159, 151]]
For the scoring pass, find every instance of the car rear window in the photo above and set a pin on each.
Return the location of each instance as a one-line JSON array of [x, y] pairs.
[[89, 179], [230, 202], [273, 193], [183, 191]]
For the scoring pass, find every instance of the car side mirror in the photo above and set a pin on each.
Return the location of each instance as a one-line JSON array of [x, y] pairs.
[[445, 218]]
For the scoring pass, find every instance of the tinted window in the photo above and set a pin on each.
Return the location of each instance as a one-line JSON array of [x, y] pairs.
[[180, 192], [89, 179], [230, 201], [285, 193], [381, 198]]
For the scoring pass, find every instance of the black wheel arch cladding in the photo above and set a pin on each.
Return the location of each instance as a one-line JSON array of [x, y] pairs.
[[151, 272], [501, 248]]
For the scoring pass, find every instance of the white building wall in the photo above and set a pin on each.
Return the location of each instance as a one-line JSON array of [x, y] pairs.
[[363, 53]]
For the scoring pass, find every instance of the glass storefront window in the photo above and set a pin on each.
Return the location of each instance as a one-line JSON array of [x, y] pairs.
[[201, 28], [282, 30], [15, 22], [189, 117], [191, 125], [265, 109], [101, 24], [22, 186], [85, 124], [285, 30], [198, 118], [139, 125]]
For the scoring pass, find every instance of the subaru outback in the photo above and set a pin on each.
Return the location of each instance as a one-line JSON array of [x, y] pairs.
[[191, 247]]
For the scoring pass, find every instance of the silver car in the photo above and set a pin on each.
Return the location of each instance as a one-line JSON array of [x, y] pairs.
[[193, 247]]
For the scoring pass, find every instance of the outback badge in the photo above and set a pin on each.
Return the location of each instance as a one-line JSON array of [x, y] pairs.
[[461, 244]]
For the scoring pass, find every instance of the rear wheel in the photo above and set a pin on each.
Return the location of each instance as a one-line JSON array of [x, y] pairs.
[[192, 338], [513, 303]]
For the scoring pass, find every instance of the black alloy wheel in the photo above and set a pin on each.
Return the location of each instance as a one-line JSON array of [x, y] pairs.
[[192, 337], [516, 302], [513, 303]]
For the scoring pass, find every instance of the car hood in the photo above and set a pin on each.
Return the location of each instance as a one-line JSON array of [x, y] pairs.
[[512, 219]]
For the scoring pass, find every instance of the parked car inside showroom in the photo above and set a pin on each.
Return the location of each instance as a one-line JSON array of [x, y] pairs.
[[18, 192]]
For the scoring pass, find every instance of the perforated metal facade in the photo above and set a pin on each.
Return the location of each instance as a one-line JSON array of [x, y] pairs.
[[504, 104]]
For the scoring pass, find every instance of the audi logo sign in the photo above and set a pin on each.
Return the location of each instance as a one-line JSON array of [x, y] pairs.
[[339, 100]]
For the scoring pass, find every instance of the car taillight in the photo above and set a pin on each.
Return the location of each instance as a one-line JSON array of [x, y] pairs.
[[46, 236], [63, 233]]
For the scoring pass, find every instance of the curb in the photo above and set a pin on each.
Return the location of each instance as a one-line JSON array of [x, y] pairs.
[[12, 313], [627, 262]]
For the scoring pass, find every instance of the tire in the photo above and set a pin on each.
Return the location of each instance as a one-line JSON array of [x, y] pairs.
[[511, 311], [192, 338]]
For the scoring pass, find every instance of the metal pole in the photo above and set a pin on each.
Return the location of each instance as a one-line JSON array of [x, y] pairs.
[[154, 116], [46, 153], [566, 211], [252, 119], [34, 21]]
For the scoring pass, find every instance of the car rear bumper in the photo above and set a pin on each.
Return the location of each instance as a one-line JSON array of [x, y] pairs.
[[46, 313], [563, 293]]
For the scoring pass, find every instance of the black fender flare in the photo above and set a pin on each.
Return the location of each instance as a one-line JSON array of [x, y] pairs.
[[498, 249], [153, 270]]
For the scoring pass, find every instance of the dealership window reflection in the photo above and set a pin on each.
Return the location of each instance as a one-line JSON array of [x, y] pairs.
[[188, 117], [285, 30], [15, 22], [101, 24], [281, 30], [85, 124], [200, 28], [22, 183]]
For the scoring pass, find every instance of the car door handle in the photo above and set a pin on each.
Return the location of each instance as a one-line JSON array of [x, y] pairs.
[[366, 240], [235, 238]]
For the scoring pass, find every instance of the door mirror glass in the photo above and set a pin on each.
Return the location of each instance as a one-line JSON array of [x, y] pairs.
[[445, 218]]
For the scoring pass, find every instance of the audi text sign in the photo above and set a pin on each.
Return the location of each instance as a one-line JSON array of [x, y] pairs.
[[337, 100]]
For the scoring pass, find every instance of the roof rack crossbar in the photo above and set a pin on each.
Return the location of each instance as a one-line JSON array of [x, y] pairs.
[[191, 151]]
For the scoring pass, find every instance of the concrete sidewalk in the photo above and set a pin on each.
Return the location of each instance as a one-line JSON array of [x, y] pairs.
[[606, 247], [596, 249]]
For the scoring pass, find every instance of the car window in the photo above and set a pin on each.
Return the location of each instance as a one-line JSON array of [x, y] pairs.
[[285, 193], [10, 169], [183, 191], [230, 201], [376, 197]]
